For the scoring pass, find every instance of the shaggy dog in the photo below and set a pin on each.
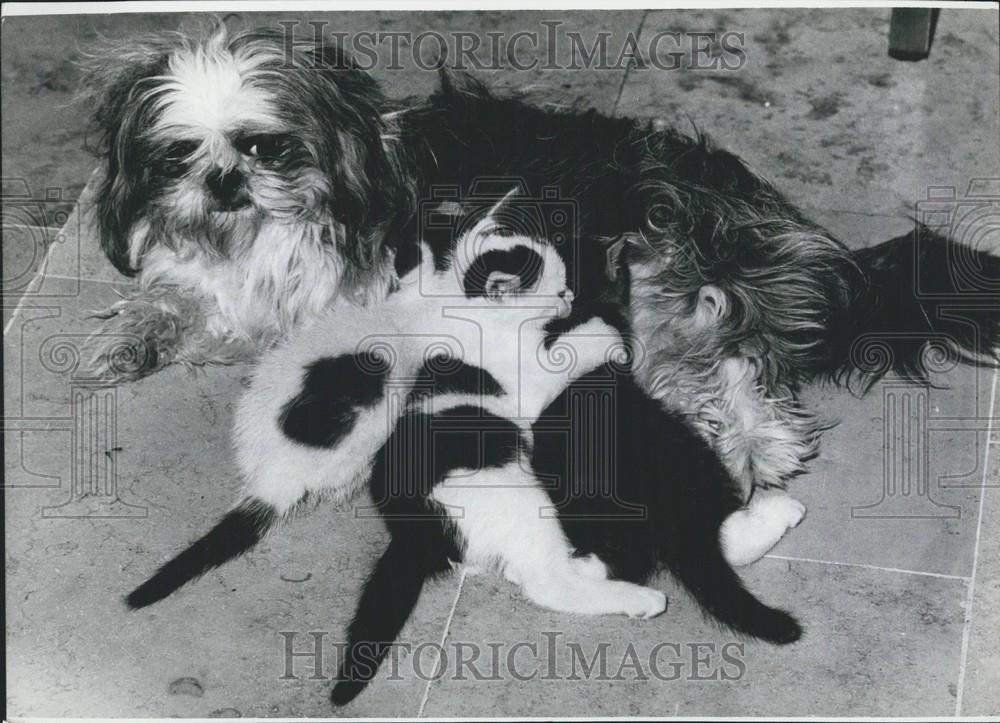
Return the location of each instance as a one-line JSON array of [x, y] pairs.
[[248, 185]]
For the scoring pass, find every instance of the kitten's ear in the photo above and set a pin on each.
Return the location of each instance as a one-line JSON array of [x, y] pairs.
[[468, 247], [491, 218]]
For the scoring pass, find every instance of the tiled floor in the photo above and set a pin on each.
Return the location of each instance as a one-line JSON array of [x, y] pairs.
[[898, 592]]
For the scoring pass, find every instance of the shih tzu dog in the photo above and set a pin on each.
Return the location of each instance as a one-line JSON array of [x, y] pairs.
[[245, 186], [250, 183]]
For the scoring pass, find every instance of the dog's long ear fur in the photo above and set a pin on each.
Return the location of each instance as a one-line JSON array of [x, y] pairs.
[[115, 77], [356, 148]]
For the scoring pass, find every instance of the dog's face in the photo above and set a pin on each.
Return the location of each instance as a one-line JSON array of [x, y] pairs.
[[205, 139]]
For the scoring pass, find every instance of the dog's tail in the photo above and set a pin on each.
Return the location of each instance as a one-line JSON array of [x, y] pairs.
[[386, 603], [912, 291], [235, 534]]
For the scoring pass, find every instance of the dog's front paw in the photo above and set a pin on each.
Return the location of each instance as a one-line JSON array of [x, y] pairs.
[[123, 357], [135, 339]]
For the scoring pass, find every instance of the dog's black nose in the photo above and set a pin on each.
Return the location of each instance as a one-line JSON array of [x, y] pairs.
[[228, 188]]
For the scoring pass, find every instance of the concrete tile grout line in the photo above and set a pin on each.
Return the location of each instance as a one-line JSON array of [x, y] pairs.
[[36, 279], [444, 639], [35, 282], [90, 280], [970, 592], [621, 88], [863, 566], [461, 580]]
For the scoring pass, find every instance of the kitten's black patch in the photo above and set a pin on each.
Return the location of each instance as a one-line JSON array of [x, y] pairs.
[[235, 533], [609, 313], [446, 375], [424, 448], [333, 390], [520, 261]]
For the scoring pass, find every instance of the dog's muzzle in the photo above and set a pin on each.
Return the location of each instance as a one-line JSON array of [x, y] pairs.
[[228, 188]]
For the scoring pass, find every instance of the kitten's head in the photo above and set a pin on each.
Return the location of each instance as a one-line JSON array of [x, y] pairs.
[[496, 261]]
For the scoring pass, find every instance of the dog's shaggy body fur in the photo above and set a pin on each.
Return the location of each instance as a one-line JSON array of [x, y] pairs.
[[734, 299], [672, 216]]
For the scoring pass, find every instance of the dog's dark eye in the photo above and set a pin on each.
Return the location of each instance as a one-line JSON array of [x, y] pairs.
[[264, 147], [177, 158]]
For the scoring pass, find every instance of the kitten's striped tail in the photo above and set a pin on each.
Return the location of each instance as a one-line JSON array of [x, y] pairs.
[[235, 534]]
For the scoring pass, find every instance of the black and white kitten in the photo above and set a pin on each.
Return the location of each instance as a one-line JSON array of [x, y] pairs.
[[446, 430], [458, 481], [652, 495], [321, 405]]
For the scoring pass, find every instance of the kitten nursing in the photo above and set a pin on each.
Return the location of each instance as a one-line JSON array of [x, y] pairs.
[[437, 397]]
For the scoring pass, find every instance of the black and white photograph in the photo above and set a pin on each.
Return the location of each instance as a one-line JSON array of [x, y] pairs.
[[501, 360]]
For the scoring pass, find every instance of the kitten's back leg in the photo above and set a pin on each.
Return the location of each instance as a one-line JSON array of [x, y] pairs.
[[502, 514], [692, 547], [388, 599], [298, 430]]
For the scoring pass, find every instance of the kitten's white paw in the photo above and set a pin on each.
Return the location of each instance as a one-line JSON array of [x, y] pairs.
[[510, 575], [643, 602], [783, 509], [589, 566], [747, 535]]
